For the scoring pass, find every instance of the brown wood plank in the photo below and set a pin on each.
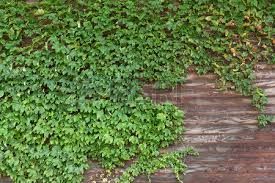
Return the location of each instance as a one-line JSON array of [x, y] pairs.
[[230, 178], [222, 138], [222, 126]]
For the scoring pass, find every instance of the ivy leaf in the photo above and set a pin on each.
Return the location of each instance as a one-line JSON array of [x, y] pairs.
[[1, 93], [161, 116]]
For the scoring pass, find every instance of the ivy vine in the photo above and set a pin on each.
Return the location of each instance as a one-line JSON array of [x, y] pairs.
[[71, 74]]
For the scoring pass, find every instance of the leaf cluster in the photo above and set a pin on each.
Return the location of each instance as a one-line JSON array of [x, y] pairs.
[[71, 74]]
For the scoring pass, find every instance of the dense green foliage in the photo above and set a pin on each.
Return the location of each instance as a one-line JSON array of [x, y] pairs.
[[149, 165], [265, 120], [71, 74]]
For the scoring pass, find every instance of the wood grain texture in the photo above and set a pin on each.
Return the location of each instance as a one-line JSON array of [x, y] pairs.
[[222, 126]]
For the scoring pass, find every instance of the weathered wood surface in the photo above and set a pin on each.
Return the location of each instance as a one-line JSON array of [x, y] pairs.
[[222, 126]]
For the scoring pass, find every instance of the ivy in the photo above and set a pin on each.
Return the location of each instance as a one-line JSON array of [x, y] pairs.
[[265, 120], [149, 165], [71, 75]]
